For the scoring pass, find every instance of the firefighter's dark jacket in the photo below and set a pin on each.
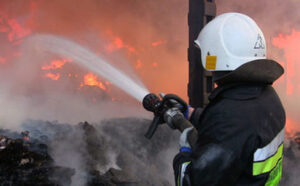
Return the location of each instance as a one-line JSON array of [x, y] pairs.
[[240, 136]]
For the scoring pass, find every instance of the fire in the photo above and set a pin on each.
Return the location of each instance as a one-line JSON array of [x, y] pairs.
[[117, 43], [291, 126], [289, 43], [154, 64], [138, 64], [156, 43], [13, 28], [56, 64], [91, 80], [141, 47], [12, 32], [17, 31], [53, 76], [291, 47]]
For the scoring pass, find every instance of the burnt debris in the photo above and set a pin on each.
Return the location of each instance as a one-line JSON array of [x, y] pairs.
[[26, 163], [112, 153]]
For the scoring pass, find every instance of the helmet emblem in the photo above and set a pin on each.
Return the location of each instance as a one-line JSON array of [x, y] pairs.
[[211, 62], [259, 43]]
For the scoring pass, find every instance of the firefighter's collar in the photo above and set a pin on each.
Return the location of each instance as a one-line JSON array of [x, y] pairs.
[[238, 91], [262, 71]]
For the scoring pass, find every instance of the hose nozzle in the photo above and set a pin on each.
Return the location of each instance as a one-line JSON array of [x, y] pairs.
[[151, 102]]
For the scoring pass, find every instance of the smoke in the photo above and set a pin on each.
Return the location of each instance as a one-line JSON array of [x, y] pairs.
[[108, 28], [71, 152], [92, 62], [139, 29], [149, 161], [152, 36], [26, 93], [53, 102], [113, 143], [291, 163], [149, 36], [273, 17]]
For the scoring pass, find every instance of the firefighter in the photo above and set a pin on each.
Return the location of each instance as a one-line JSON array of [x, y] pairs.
[[241, 130]]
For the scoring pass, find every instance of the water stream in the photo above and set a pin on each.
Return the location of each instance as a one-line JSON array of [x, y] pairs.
[[90, 61]]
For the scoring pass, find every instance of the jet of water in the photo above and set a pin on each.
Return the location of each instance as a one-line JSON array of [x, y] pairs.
[[91, 61]]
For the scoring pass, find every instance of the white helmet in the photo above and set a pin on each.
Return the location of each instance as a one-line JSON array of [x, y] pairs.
[[229, 41]]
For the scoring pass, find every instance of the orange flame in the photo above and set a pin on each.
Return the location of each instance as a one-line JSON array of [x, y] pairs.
[[117, 43], [291, 126], [138, 64], [91, 80], [291, 47], [154, 64], [53, 76], [17, 31], [56, 64], [13, 28], [156, 43]]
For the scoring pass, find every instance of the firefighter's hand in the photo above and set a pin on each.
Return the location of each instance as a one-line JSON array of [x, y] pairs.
[[170, 115], [183, 142]]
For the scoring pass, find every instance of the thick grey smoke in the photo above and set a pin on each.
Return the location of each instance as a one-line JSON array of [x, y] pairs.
[[291, 163], [113, 143]]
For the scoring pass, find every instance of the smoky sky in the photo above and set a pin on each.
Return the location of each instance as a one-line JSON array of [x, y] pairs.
[[139, 23]]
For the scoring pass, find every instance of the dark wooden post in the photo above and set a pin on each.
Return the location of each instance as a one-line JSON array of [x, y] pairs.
[[200, 81]]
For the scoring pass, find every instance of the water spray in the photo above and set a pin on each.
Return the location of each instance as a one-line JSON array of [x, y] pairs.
[[98, 65], [87, 59]]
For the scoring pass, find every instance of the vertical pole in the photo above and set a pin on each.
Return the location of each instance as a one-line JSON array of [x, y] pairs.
[[200, 81]]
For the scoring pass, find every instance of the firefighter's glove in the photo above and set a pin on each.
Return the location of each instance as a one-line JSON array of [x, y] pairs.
[[170, 116], [183, 142]]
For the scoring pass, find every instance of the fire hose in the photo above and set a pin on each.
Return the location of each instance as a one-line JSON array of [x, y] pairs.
[[159, 105]]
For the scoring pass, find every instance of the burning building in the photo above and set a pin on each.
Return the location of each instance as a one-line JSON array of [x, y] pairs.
[[147, 40]]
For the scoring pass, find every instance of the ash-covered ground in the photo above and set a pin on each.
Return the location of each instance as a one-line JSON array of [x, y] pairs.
[[113, 152]]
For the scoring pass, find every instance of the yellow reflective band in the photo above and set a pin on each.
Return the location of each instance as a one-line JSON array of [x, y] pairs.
[[211, 62], [275, 175], [268, 164]]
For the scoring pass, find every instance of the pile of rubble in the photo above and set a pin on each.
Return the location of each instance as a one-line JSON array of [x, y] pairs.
[[109, 155], [28, 163], [112, 153]]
